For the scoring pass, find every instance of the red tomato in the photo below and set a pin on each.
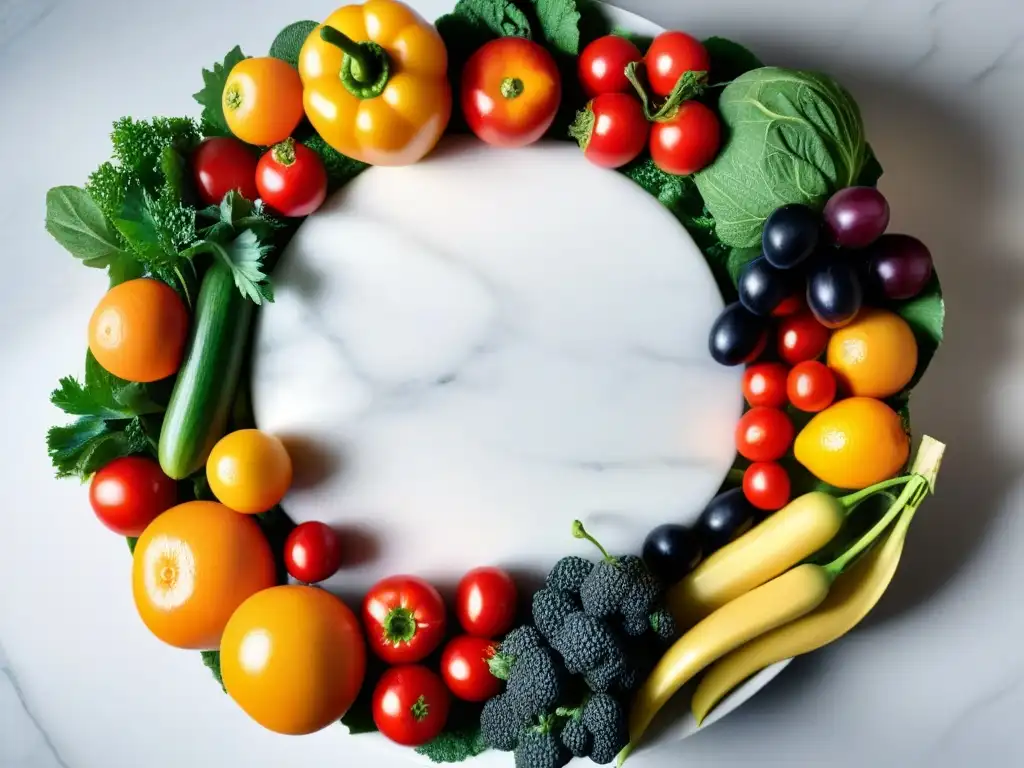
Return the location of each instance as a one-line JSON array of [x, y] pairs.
[[670, 55], [510, 92], [602, 65], [801, 337], [763, 434], [789, 306], [221, 164], [612, 130], [466, 671], [687, 141], [128, 493], [485, 602], [811, 386], [291, 179], [404, 619], [312, 552], [410, 705], [766, 485], [765, 384]]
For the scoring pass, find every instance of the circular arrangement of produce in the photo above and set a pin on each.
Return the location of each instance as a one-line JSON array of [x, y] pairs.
[[510, 386]]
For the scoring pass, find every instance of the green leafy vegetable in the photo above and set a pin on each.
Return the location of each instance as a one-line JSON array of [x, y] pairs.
[[739, 258], [558, 25], [211, 660], [210, 97], [341, 169], [288, 43], [454, 746], [689, 86], [793, 137], [871, 172], [729, 60], [925, 314]]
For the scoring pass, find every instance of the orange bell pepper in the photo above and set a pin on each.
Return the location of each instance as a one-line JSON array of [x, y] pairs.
[[375, 83]]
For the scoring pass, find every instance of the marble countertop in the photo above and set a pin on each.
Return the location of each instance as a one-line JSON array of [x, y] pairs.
[[935, 677]]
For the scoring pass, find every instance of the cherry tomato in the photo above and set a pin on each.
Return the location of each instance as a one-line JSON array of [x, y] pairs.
[[410, 705], [790, 306], [404, 618], [811, 386], [765, 384], [128, 494], [249, 471], [465, 669], [485, 602], [801, 337], [291, 179], [766, 485], [262, 100], [764, 434], [510, 92], [221, 164], [312, 552], [612, 130], [669, 56], [602, 65], [687, 141]]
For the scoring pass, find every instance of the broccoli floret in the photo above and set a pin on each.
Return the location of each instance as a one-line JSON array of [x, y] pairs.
[[569, 574], [551, 607], [605, 719], [642, 598], [536, 676], [576, 737], [590, 648], [663, 624], [521, 639], [540, 747], [500, 726]]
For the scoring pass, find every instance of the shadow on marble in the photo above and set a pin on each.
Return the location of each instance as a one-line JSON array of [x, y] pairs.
[[312, 460]]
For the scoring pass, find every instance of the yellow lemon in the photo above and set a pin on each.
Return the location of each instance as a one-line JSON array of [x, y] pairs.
[[875, 355], [854, 443]]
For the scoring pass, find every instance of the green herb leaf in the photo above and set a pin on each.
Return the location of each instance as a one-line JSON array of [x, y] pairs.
[[559, 29], [90, 443], [175, 171], [211, 660], [793, 137], [244, 255], [502, 18], [594, 22], [925, 314], [212, 94], [729, 60], [454, 746], [288, 43], [137, 225], [76, 222]]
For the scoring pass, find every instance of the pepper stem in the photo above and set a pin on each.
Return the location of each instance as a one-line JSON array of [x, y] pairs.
[[511, 87], [400, 625], [366, 68], [580, 532], [853, 499]]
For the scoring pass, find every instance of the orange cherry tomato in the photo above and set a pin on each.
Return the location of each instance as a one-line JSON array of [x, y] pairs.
[[510, 92], [138, 330], [262, 100], [249, 471]]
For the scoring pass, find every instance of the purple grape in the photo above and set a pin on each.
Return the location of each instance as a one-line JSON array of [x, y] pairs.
[[900, 266], [856, 216]]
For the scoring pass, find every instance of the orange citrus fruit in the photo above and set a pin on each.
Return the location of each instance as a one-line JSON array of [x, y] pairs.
[[262, 100], [138, 330], [854, 443], [193, 566], [249, 471], [294, 658], [875, 355]]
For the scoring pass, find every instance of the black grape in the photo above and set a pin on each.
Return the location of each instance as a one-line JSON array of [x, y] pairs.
[[834, 292], [727, 516], [790, 235], [762, 287], [671, 551], [737, 336]]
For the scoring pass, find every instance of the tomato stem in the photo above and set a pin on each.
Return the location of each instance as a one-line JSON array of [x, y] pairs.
[[511, 87], [233, 97], [582, 127], [284, 152], [366, 68], [420, 709], [399, 625]]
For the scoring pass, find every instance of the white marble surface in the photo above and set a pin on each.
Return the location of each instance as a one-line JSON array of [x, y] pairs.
[[935, 676]]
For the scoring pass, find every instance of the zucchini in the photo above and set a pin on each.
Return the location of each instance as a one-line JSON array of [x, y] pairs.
[[200, 404]]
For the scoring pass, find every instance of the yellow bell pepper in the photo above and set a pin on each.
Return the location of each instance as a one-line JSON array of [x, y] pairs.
[[375, 83]]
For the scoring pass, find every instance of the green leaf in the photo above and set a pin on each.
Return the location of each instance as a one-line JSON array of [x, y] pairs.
[[138, 226], [738, 259], [594, 22], [643, 42], [502, 18], [123, 270], [792, 137], [90, 443], [244, 255], [341, 169], [729, 60], [75, 221], [288, 43], [210, 97], [559, 29], [454, 746], [175, 171], [871, 172], [132, 541], [925, 314], [211, 660]]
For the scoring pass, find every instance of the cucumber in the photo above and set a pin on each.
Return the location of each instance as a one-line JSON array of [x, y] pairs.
[[200, 404]]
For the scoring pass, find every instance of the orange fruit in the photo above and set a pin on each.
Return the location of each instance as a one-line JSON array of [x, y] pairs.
[[249, 471], [262, 100], [875, 355], [854, 443], [138, 330], [294, 658], [193, 566]]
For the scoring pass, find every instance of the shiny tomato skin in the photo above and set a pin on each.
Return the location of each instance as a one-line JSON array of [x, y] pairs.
[[619, 132], [312, 552], [811, 386], [801, 337], [766, 485], [765, 384], [405, 619], [129, 493], [410, 705], [510, 92], [485, 602], [669, 56], [764, 434], [687, 141], [790, 306], [221, 164], [602, 65], [465, 669], [291, 179]]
